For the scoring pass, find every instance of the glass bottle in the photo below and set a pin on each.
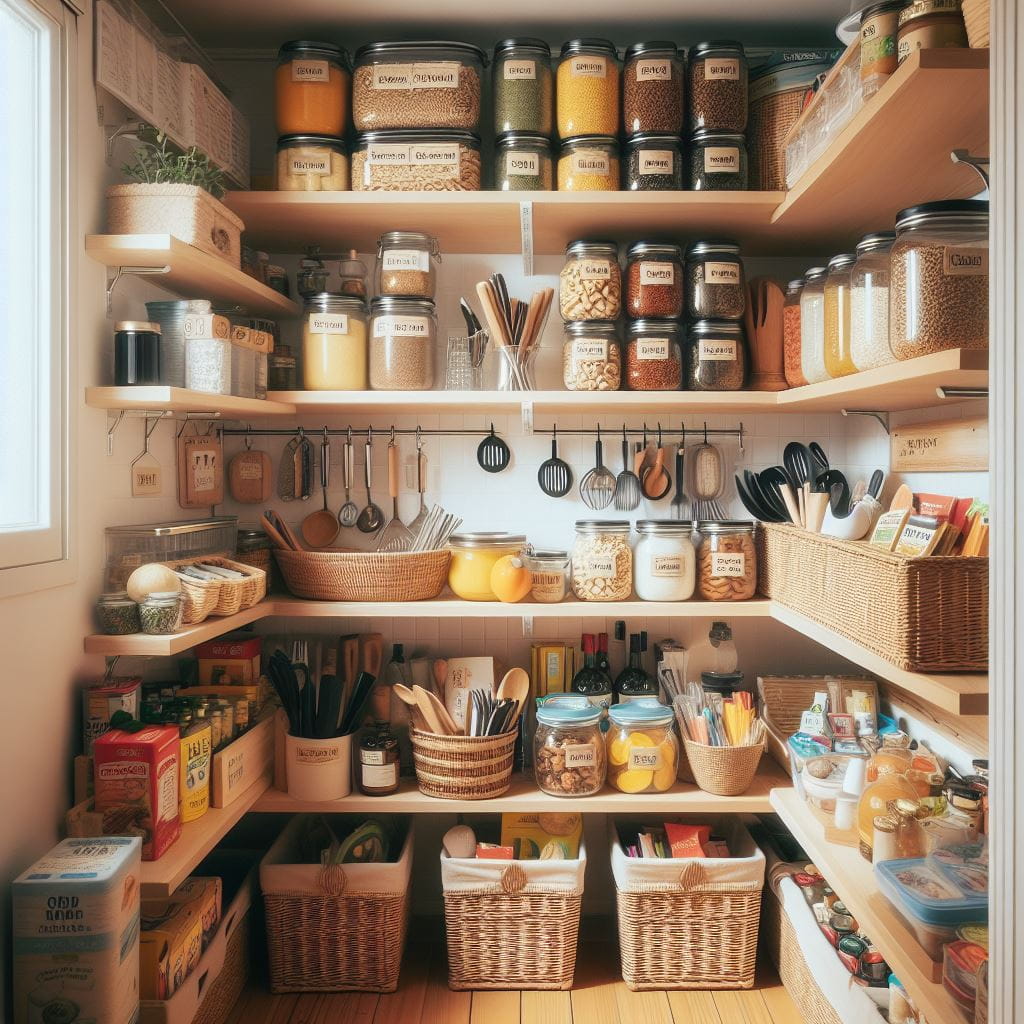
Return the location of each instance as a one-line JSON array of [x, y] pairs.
[[378, 761], [281, 369], [602, 654], [352, 271], [591, 681], [909, 834], [812, 326], [874, 803], [838, 359], [725, 657], [633, 682]]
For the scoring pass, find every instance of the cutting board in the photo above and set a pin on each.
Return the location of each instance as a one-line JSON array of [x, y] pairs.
[[200, 470], [250, 477]]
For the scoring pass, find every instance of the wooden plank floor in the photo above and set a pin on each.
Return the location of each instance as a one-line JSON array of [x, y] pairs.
[[598, 997]]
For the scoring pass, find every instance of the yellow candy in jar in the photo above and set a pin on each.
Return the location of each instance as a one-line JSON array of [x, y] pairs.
[[474, 555]]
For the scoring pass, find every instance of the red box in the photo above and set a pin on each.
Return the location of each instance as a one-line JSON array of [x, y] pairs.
[[135, 778], [227, 661]]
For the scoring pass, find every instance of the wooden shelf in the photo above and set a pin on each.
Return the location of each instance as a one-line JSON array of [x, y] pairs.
[[853, 879], [192, 273], [165, 399]]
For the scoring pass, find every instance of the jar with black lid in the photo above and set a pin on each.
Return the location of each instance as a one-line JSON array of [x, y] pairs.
[[715, 283], [589, 163], [654, 163], [136, 353], [654, 359], [718, 161], [716, 356], [718, 86], [587, 88], [654, 280], [522, 162], [524, 90], [652, 88]]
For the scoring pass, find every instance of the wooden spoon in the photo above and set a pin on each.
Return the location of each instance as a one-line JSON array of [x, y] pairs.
[[404, 694], [434, 713], [440, 673], [515, 686]]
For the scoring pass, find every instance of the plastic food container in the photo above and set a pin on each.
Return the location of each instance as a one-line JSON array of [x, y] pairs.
[[524, 88], [473, 557], [568, 749], [643, 752], [587, 88], [718, 86], [405, 265], [312, 84], [664, 561], [654, 359], [716, 286], [654, 163], [403, 336], [652, 88], [589, 163], [334, 348], [591, 356], [716, 356], [654, 280], [718, 161], [416, 160], [522, 163], [727, 560], [312, 163]]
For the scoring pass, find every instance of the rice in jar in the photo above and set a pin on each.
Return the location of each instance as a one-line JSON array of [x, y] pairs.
[[664, 562], [403, 336], [869, 302], [812, 326]]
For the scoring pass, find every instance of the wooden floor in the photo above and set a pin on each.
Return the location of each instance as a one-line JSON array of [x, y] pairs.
[[598, 997]]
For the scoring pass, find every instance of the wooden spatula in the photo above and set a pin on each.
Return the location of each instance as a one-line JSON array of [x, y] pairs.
[[515, 686]]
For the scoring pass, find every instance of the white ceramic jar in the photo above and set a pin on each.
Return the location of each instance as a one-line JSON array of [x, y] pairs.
[[664, 561]]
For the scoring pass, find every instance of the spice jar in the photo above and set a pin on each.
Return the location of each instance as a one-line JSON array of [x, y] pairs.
[[587, 88], [643, 752], [591, 356], [654, 357], [727, 558], [718, 86], [334, 350], [378, 761], [812, 326], [654, 163], [568, 749], [938, 295], [312, 163], [136, 353], [930, 25], [716, 285], [716, 356], [718, 162], [652, 88], [523, 85], [878, 59], [522, 163], [403, 335], [791, 334], [838, 360], [473, 557], [311, 88], [405, 265], [590, 282], [161, 612], [869, 302], [352, 275], [281, 369], [588, 163], [664, 562], [602, 560], [550, 575], [654, 280], [117, 613]]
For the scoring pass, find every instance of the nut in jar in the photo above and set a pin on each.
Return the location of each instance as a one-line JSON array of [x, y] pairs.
[[726, 560], [590, 284], [569, 751], [602, 561]]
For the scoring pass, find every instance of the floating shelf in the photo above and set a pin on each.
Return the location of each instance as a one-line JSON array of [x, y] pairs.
[[179, 400]]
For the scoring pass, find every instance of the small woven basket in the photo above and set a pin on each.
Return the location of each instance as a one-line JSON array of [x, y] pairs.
[[220, 597], [976, 21], [463, 767], [225, 989], [723, 771], [364, 576]]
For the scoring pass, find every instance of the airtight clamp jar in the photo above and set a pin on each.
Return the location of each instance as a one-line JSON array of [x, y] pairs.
[[416, 160], [405, 265], [524, 91], [334, 349], [602, 560], [568, 749], [522, 163], [654, 280], [588, 163], [716, 356], [716, 285], [118, 614], [654, 356], [161, 612], [664, 561], [473, 557], [590, 281], [403, 336], [718, 162], [312, 163], [587, 88], [652, 88], [654, 163], [591, 356], [550, 571], [718, 86], [311, 88]]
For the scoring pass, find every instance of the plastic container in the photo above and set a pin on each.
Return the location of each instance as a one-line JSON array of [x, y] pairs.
[[654, 355], [718, 86], [473, 557], [312, 163], [405, 265], [568, 749], [716, 356], [654, 280], [312, 85], [812, 326], [878, 56], [791, 334], [523, 86], [403, 336], [334, 348], [716, 286], [602, 560], [869, 302], [416, 160], [653, 77], [726, 560], [961, 961], [591, 356], [664, 560], [654, 163], [590, 282], [523, 163], [587, 88], [643, 752], [718, 162], [589, 163], [838, 358]]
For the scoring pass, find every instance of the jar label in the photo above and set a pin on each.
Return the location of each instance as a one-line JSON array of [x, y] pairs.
[[645, 759], [589, 348], [522, 163], [318, 164], [721, 273], [722, 69], [600, 567], [653, 70], [548, 584], [316, 754], [580, 755], [964, 261], [328, 323], [371, 756], [519, 70], [657, 273], [656, 161], [595, 270], [667, 566], [588, 67], [651, 348], [590, 161], [728, 563], [721, 160], [432, 75], [405, 259], [376, 777], [721, 350], [311, 71], [440, 153], [401, 327]]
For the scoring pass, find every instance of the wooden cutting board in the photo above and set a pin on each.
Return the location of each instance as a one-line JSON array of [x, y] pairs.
[[250, 477], [200, 470]]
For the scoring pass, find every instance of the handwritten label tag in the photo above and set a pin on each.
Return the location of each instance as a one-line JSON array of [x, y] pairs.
[[147, 478], [727, 563]]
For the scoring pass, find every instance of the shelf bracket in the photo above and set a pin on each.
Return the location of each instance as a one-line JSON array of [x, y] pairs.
[[112, 430], [979, 163], [961, 392], [128, 130], [882, 417], [526, 409], [120, 272], [526, 236]]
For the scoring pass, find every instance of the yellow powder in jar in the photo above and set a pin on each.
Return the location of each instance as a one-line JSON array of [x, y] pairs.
[[332, 360], [312, 168], [573, 175], [587, 91]]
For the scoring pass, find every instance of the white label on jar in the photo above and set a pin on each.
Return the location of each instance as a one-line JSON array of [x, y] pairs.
[[667, 566], [722, 69], [580, 755], [522, 163], [317, 754], [599, 567], [405, 259], [392, 76], [589, 348], [653, 70], [375, 777], [964, 261], [656, 161], [519, 70], [401, 327], [728, 563], [657, 273], [443, 154], [310, 164], [328, 323], [590, 161], [721, 273], [311, 71], [595, 270], [717, 349], [644, 759], [371, 756], [651, 348], [387, 153], [721, 160], [442, 74], [588, 67]]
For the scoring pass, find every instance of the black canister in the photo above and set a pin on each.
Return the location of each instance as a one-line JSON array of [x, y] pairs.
[[136, 353]]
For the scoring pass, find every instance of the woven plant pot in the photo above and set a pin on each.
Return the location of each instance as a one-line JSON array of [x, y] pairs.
[[463, 767], [724, 771], [364, 576]]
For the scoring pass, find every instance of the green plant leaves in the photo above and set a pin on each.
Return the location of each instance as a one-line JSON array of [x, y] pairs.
[[158, 164]]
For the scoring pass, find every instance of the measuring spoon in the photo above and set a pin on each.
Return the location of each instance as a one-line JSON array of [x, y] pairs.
[[349, 513], [371, 519]]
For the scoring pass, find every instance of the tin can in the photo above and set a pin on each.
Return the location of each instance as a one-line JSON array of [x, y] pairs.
[[873, 967]]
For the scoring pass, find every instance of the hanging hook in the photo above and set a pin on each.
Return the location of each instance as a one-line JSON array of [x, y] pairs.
[[419, 438], [248, 437], [327, 437], [659, 434], [302, 433], [348, 437], [392, 441], [705, 431], [113, 430]]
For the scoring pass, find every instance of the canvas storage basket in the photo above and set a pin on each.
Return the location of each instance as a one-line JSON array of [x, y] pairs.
[[364, 576], [689, 923], [512, 923]]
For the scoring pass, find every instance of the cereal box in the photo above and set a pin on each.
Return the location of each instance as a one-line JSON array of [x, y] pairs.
[[228, 661], [99, 703]]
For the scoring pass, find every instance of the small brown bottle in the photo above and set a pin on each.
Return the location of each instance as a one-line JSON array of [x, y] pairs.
[[378, 761]]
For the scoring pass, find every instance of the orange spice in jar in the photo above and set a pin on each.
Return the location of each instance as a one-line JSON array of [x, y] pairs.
[[791, 335], [312, 86]]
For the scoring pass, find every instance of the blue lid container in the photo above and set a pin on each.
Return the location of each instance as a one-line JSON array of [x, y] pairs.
[[930, 893], [646, 711], [565, 715]]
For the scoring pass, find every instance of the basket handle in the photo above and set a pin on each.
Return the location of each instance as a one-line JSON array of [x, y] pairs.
[[333, 879], [513, 880], [691, 876]]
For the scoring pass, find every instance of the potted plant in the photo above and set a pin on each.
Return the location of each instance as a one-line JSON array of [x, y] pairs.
[[175, 193]]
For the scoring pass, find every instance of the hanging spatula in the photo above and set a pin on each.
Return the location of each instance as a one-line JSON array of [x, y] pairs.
[[555, 475], [493, 455]]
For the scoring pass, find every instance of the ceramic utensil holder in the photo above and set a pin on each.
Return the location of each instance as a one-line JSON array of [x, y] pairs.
[[319, 769]]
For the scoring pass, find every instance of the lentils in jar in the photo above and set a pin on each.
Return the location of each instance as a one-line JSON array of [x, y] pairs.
[[587, 88], [718, 86], [716, 356], [590, 282], [652, 88], [718, 162], [654, 163], [654, 359], [726, 560], [716, 286], [591, 356], [654, 280], [524, 89], [522, 163], [602, 560]]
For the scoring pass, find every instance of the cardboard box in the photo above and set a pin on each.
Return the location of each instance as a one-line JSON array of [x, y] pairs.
[[530, 834], [242, 763], [101, 700], [230, 662], [171, 941]]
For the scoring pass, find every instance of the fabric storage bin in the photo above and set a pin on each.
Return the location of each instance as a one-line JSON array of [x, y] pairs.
[[512, 923], [689, 923], [334, 929]]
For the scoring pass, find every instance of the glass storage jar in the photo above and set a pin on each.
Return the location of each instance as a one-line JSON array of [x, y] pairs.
[[654, 163], [587, 88], [522, 163], [312, 163], [590, 281], [136, 353], [312, 84], [550, 571], [524, 90], [838, 359], [643, 752], [727, 560], [416, 160], [334, 349], [117, 613], [379, 761], [654, 356], [652, 88], [930, 25], [412, 84], [405, 265], [716, 356], [403, 335], [716, 286], [654, 280], [602, 560], [812, 326], [473, 557], [869, 302], [161, 612], [718, 86], [568, 749], [588, 163], [664, 561], [591, 356], [281, 369], [718, 162], [938, 296], [791, 334]]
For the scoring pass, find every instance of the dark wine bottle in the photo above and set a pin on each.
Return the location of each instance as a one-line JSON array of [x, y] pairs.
[[591, 681], [633, 682]]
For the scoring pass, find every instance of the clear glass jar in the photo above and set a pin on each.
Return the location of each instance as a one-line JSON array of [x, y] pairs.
[[587, 88], [791, 334], [352, 274], [716, 356], [405, 265], [551, 571], [664, 561], [602, 560], [524, 88], [403, 336], [433, 84], [416, 160], [281, 369], [590, 282], [938, 296], [117, 614], [312, 84], [588, 163], [654, 280], [312, 163], [727, 560], [716, 283], [869, 302], [812, 326], [522, 163], [334, 349], [838, 359], [160, 613], [718, 86], [930, 25], [473, 557], [652, 88], [654, 163], [591, 356], [643, 752], [568, 749], [654, 356], [718, 162]]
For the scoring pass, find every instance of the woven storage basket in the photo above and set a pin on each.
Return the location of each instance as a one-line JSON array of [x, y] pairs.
[[223, 597], [770, 121], [920, 614], [723, 771], [976, 20], [364, 576], [689, 924], [463, 767], [512, 924]]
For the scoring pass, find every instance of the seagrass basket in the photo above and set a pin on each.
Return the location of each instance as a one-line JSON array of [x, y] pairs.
[[220, 597], [463, 767], [723, 771], [364, 575]]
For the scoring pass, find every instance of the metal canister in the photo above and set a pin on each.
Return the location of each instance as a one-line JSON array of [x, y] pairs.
[[873, 967]]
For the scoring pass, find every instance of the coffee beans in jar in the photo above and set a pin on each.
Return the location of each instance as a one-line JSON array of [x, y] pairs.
[[403, 335], [587, 88], [654, 163], [589, 163], [590, 282], [602, 560], [716, 356], [654, 280], [416, 161], [591, 356], [654, 360], [718, 86], [524, 91], [405, 265], [716, 285], [522, 163], [718, 162], [652, 88], [726, 560]]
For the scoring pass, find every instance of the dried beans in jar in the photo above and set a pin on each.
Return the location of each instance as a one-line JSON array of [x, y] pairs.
[[869, 302], [652, 88], [718, 86], [654, 280], [654, 163], [654, 356], [716, 285]]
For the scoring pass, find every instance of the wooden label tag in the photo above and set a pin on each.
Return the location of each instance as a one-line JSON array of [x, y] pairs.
[[147, 479], [946, 446]]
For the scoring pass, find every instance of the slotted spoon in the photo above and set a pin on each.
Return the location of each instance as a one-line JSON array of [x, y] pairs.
[[597, 488], [554, 475], [627, 483], [349, 512], [493, 454], [396, 535]]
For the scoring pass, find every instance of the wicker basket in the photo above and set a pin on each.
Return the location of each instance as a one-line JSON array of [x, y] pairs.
[[976, 20], [920, 614], [723, 771], [463, 767], [364, 576], [221, 597]]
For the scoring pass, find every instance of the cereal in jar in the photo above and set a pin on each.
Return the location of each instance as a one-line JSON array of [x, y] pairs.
[[726, 560], [643, 752], [602, 560], [568, 749], [591, 356]]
